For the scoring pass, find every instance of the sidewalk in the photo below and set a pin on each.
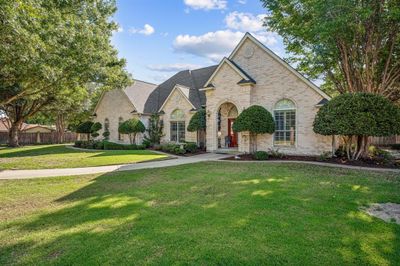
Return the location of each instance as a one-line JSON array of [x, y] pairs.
[[27, 174]]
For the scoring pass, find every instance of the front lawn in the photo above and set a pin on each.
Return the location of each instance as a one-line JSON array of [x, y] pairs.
[[201, 214], [60, 156]]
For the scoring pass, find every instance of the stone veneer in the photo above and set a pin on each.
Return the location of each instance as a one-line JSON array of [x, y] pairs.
[[274, 82], [177, 100], [115, 104]]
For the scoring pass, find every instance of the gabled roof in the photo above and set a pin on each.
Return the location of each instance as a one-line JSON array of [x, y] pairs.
[[246, 79], [192, 79], [248, 36], [182, 90], [137, 94]]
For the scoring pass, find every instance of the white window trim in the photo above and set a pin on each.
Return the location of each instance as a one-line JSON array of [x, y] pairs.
[[292, 147]]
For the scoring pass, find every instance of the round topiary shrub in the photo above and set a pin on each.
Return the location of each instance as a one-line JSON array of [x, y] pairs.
[[85, 128], [94, 129], [131, 127], [257, 120], [356, 116]]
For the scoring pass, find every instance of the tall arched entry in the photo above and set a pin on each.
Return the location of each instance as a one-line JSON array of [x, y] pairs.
[[226, 116]]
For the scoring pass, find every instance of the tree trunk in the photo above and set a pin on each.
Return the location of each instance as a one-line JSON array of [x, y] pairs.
[[60, 128], [13, 134]]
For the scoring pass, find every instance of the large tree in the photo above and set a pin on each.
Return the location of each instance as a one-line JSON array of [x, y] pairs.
[[353, 44], [357, 116], [52, 47]]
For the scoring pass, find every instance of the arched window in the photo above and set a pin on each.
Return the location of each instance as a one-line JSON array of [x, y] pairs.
[[285, 123], [177, 127], [120, 120], [106, 125]]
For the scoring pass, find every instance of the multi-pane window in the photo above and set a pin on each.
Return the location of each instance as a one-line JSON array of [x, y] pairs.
[[285, 123], [177, 126], [178, 131]]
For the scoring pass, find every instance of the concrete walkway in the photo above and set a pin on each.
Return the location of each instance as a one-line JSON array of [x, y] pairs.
[[27, 174]]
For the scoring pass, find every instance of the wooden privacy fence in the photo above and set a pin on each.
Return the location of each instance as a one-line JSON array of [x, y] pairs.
[[382, 141], [25, 138]]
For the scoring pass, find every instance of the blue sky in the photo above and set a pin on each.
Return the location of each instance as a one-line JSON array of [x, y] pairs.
[[160, 37]]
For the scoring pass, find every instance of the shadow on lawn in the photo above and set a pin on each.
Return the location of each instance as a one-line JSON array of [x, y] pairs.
[[62, 149], [164, 217], [36, 151]]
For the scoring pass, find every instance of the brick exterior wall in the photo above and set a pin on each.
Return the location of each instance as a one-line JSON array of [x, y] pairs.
[[115, 104], [177, 101], [274, 82]]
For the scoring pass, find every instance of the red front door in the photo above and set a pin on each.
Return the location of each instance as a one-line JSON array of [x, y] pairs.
[[231, 133]]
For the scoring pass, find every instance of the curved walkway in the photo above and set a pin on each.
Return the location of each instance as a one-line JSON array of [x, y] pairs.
[[28, 174]]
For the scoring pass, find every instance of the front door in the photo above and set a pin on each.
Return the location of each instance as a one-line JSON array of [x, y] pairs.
[[233, 135]]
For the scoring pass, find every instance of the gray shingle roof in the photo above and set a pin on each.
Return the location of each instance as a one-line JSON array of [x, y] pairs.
[[194, 79], [138, 93]]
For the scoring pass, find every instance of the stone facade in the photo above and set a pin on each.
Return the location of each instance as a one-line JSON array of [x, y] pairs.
[[115, 105], [177, 100], [274, 82], [252, 75]]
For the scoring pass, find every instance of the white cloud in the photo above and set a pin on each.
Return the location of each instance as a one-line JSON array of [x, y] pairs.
[[243, 2], [212, 45], [206, 4], [244, 21], [147, 30], [173, 67], [216, 45]]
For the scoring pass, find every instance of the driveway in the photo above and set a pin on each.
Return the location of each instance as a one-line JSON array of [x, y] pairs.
[[27, 174]]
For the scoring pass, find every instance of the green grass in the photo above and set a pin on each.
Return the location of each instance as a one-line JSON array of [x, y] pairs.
[[59, 156], [201, 214]]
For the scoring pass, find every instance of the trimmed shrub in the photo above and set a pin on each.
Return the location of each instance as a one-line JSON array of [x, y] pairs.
[[146, 143], [131, 127], [94, 128], [117, 146], [106, 135], [198, 121], [257, 120], [190, 147], [358, 116], [261, 155], [85, 128]]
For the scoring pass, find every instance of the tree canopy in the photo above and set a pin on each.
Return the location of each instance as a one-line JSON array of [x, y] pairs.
[[255, 119], [131, 127], [358, 115], [52, 48], [198, 121], [354, 45]]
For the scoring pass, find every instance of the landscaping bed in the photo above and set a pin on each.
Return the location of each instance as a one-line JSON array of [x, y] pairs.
[[335, 160]]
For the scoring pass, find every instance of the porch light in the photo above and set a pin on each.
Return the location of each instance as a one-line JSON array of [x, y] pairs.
[[219, 134]]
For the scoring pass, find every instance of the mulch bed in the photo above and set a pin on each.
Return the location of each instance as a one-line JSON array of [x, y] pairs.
[[341, 161]]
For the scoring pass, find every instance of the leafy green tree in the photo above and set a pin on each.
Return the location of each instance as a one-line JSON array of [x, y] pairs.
[[132, 127], [198, 123], [50, 48], [94, 129], [356, 116], [257, 120], [155, 129], [85, 128], [354, 45]]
